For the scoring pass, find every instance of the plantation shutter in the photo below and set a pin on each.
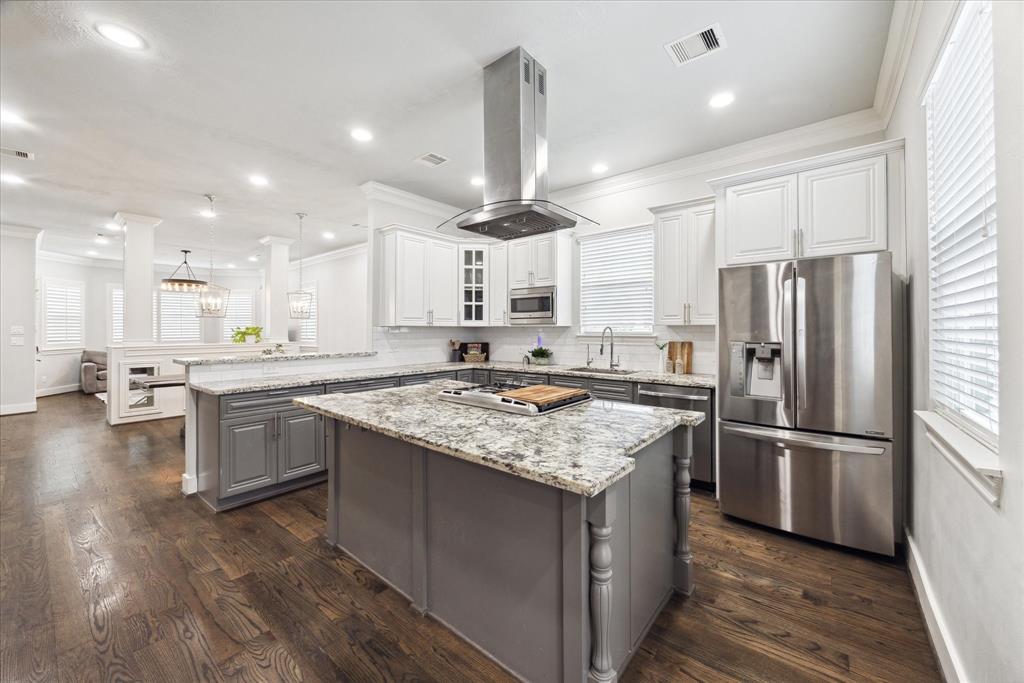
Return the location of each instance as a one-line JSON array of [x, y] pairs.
[[62, 313], [308, 327], [240, 311], [617, 282], [179, 321], [117, 315]]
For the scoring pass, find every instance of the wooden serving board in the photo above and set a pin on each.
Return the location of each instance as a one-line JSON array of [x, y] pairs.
[[542, 394]]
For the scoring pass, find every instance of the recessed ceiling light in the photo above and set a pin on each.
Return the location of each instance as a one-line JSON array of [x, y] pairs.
[[328, 235], [10, 118], [11, 179], [476, 181], [259, 180], [231, 265], [101, 239], [113, 227], [208, 213], [92, 252], [722, 99], [599, 168], [254, 259], [120, 36], [361, 134]]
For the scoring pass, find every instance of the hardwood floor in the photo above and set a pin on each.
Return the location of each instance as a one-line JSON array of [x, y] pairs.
[[107, 573]]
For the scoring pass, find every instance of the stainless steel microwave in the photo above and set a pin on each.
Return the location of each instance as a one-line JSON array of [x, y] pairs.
[[531, 306]]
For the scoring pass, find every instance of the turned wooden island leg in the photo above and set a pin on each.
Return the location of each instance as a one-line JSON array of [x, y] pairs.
[[600, 517], [683, 569]]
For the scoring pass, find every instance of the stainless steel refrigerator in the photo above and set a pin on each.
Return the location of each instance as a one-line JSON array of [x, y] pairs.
[[810, 429]]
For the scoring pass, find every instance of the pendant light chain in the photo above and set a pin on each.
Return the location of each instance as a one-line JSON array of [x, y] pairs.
[[211, 198], [301, 216]]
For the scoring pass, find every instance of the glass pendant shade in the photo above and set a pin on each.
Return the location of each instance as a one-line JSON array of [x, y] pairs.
[[188, 282], [213, 301], [300, 305]]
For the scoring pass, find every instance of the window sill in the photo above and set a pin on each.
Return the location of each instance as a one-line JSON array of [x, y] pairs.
[[60, 350], [624, 338], [978, 464]]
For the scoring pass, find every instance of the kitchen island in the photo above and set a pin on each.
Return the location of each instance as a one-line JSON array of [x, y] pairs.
[[550, 542]]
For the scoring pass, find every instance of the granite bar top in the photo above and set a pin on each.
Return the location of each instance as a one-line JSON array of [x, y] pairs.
[[267, 357], [583, 449], [266, 383]]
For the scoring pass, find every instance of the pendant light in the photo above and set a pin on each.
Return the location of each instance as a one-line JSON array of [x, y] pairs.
[[188, 282], [300, 303], [213, 299]]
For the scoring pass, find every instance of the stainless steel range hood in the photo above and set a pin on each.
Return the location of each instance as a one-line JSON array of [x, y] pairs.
[[516, 154]]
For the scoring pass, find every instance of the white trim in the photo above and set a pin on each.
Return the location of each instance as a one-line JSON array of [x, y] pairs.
[[902, 30], [22, 232], [832, 130], [604, 232], [58, 257], [978, 464], [375, 191], [677, 206], [275, 239], [122, 218], [62, 389], [18, 408], [852, 154], [343, 252], [189, 484], [60, 350], [940, 50], [949, 663]]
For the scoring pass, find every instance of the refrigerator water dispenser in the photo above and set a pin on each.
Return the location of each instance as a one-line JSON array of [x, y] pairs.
[[756, 370]]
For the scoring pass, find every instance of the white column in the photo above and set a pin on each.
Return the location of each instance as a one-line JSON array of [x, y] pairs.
[[139, 235], [275, 288], [18, 341]]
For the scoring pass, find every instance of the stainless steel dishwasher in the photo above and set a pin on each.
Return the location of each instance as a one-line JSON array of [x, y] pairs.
[[698, 400]]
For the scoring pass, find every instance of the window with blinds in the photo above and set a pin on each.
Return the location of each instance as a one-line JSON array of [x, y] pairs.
[[62, 313], [240, 311], [308, 327], [179, 319], [617, 282], [117, 315], [964, 374]]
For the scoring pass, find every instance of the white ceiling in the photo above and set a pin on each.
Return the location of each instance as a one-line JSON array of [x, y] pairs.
[[227, 89]]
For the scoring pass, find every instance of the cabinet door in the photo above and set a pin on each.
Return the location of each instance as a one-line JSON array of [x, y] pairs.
[[443, 283], [843, 208], [497, 280], [761, 221], [670, 260], [545, 261], [520, 263], [412, 293], [701, 273], [248, 453], [300, 445], [473, 284]]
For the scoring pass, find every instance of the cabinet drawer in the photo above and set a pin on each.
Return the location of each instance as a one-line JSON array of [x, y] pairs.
[[570, 382], [481, 376], [429, 377], [355, 386], [524, 378], [260, 401], [464, 375], [613, 391]]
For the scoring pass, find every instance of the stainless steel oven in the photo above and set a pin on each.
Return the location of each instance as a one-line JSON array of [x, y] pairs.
[[531, 306]]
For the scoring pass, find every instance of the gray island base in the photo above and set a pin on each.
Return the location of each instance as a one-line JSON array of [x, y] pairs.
[[554, 584]]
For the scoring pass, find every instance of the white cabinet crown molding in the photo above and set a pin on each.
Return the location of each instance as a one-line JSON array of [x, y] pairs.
[[683, 205], [793, 167], [375, 191]]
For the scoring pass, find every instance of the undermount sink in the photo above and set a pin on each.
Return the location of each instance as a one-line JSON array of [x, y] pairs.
[[604, 371]]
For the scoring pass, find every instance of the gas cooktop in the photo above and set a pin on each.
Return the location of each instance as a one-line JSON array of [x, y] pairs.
[[488, 396]]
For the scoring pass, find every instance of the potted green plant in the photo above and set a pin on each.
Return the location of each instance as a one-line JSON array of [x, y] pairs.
[[541, 355], [247, 335]]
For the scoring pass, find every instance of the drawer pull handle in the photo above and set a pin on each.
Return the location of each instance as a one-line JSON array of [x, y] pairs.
[[681, 397]]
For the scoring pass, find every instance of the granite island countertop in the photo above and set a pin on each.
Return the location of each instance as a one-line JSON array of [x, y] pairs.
[[266, 357], [268, 382], [583, 449]]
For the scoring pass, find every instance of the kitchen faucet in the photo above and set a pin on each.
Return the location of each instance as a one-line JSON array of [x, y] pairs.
[[526, 360], [611, 350]]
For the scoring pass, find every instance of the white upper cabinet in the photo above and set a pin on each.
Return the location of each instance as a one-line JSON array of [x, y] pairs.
[[520, 263], [497, 281], [761, 221], [413, 301], [473, 284], [685, 274], [533, 261], [843, 208], [417, 280], [837, 203], [443, 284], [545, 261]]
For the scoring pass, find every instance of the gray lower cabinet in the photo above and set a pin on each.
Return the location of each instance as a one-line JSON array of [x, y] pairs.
[[248, 447], [464, 375], [481, 376], [612, 391], [570, 382], [429, 377], [526, 378], [355, 386], [300, 444]]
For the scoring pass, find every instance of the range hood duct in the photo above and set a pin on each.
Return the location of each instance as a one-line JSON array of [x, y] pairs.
[[516, 154]]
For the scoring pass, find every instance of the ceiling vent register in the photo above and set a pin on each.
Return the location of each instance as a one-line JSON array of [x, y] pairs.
[[17, 153], [695, 45], [431, 159]]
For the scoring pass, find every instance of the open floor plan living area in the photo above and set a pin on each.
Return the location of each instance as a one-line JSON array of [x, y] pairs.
[[558, 342]]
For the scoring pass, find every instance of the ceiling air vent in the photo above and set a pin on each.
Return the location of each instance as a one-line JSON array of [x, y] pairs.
[[17, 153], [695, 45], [431, 159]]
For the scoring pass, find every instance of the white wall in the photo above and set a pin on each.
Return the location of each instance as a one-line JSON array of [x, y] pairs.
[[340, 278], [17, 308], [968, 555]]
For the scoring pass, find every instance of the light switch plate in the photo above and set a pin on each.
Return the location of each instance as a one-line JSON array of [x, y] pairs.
[[17, 341]]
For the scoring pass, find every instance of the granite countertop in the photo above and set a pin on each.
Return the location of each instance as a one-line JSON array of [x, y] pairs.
[[265, 383], [583, 449], [267, 358]]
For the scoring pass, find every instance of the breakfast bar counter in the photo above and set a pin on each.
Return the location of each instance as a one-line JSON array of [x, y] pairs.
[[551, 542]]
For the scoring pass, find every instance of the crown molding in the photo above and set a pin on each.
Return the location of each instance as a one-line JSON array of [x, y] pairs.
[[329, 256], [375, 191], [124, 218], [675, 206], [902, 31], [58, 257], [274, 239], [855, 124], [21, 231]]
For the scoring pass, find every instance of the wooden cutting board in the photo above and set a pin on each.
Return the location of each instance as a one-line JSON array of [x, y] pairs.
[[543, 394]]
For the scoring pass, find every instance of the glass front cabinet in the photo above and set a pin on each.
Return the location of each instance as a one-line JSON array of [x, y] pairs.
[[473, 284]]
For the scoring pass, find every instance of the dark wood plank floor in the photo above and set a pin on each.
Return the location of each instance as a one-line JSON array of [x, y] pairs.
[[107, 573]]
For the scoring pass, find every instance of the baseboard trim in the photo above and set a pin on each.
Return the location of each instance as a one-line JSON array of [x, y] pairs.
[[62, 389], [938, 633], [189, 484], [17, 408]]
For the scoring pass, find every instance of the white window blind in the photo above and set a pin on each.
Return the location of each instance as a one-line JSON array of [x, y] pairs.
[[62, 313], [617, 282], [240, 311], [179, 320], [964, 374], [308, 327], [117, 315]]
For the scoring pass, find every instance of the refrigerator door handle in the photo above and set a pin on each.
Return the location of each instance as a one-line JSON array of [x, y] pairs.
[[789, 358], [783, 440], [801, 343]]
